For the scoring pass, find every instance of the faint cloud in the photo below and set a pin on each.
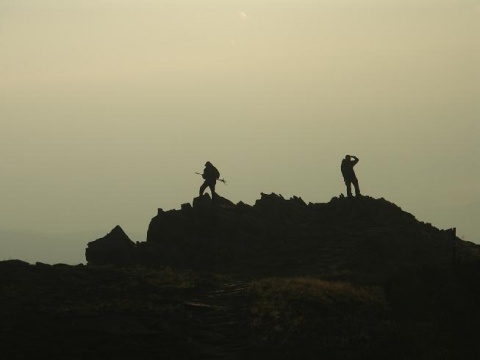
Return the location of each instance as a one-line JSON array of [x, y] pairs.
[[242, 15]]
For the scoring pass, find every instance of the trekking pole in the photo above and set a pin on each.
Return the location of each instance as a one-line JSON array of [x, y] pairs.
[[221, 180]]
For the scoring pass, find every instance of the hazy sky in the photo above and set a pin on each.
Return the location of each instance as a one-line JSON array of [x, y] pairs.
[[108, 107]]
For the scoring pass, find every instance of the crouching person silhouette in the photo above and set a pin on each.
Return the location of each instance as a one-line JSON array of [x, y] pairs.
[[349, 174]]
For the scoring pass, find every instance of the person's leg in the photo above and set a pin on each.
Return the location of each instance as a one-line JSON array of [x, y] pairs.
[[357, 187], [203, 187], [212, 189], [348, 183]]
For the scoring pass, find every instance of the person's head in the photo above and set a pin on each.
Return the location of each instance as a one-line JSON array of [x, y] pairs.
[[208, 163], [347, 157]]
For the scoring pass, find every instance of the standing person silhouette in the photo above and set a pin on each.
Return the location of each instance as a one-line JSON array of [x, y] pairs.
[[210, 174], [349, 174]]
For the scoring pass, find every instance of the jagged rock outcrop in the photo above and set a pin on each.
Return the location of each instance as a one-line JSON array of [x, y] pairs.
[[362, 238], [115, 248]]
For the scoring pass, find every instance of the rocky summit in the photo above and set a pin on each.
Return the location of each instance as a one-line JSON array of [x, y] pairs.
[[361, 239]]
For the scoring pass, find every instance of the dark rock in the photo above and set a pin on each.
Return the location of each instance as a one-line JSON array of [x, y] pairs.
[[115, 248], [9, 268], [203, 201], [369, 238], [39, 264], [14, 263], [186, 207]]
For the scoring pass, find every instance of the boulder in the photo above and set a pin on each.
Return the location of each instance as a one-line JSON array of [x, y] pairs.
[[115, 248]]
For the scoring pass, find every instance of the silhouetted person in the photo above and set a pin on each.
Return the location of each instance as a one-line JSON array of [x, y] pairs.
[[349, 174], [210, 174]]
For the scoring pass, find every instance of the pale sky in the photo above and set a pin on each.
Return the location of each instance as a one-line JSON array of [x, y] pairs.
[[109, 107]]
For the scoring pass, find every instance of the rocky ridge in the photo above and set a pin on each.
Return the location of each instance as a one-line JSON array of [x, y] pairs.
[[363, 239]]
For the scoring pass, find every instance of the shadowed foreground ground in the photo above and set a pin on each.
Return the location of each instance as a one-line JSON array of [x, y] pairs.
[[87, 312]]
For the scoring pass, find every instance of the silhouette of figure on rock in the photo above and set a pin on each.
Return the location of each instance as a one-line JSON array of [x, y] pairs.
[[210, 174], [349, 174]]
